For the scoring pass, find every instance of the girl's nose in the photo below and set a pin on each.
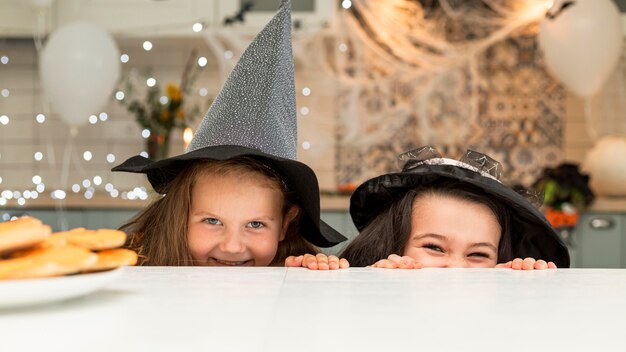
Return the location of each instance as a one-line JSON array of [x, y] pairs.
[[457, 263], [232, 242]]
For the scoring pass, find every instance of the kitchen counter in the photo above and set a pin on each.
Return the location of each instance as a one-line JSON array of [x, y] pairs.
[[613, 205], [359, 309]]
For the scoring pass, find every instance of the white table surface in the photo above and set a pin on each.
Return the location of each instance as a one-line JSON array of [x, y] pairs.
[[359, 309]]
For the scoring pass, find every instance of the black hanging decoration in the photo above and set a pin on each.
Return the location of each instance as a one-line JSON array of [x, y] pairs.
[[246, 6]]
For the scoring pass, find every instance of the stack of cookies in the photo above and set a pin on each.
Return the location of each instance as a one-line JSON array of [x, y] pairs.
[[28, 249]]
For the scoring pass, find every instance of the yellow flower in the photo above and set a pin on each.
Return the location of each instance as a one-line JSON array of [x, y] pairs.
[[180, 114], [173, 92], [165, 115]]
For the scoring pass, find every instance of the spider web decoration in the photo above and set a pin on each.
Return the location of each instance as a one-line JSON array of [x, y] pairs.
[[451, 73]]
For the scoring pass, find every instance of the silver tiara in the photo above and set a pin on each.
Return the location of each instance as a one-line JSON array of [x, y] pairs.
[[471, 160]]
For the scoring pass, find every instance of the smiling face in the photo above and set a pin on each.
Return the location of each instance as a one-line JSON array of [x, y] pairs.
[[451, 232], [236, 219]]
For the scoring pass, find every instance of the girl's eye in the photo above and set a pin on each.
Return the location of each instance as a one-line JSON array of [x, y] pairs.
[[434, 247], [479, 254], [256, 224], [212, 221]]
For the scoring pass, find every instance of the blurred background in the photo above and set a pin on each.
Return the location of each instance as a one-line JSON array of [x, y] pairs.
[[536, 84]]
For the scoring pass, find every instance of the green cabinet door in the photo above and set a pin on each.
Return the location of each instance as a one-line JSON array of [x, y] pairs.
[[600, 241]]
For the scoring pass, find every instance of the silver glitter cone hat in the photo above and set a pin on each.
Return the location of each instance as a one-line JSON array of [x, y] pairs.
[[256, 107], [254, 115]]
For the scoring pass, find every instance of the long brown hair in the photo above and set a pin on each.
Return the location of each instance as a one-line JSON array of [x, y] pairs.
[[389, 232], [159, 232]]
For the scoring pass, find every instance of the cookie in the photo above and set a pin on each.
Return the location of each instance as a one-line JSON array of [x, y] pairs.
[[47, 262], [113, 258], [22, 233], [59, 239], [95, 240]]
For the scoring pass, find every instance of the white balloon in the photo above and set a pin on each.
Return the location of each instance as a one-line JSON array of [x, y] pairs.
[[79, 67], [606, 164], [582, 43]]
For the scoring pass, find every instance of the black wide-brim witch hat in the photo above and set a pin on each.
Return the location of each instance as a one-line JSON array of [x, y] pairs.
[[299, 177], [532, 235], [254, 115]]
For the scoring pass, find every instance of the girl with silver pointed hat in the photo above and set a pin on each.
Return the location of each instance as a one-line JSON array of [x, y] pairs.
[[238, 196], [439, 212]]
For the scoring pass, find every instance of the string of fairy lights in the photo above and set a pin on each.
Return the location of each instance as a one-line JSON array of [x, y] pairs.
[[90, 185], [87, 186]]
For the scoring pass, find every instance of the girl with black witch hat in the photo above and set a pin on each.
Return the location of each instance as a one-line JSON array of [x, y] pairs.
[[238, 196], [439, 212]]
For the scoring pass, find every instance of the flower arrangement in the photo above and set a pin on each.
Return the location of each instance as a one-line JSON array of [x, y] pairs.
[[161, 112], [565, 192]]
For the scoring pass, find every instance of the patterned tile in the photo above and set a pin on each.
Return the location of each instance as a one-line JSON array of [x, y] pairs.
[[519, 120]]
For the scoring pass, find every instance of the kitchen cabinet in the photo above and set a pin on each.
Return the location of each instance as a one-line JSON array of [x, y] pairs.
[[599, 240]]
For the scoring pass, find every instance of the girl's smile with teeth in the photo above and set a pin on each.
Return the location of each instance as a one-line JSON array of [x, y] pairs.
[[218, 262]]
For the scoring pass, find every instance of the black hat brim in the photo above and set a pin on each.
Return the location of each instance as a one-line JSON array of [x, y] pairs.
[[298, 176], [532, 235]]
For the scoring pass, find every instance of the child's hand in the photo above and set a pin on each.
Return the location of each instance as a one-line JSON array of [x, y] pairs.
[[317, 262], [395, 261], [527, 264]]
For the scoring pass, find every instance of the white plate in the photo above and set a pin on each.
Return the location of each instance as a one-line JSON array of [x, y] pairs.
[[18, 293]]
